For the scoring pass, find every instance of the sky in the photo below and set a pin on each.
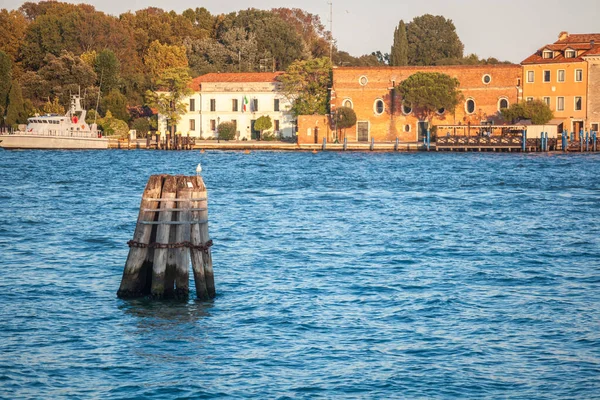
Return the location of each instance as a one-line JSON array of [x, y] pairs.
[[509, 30]]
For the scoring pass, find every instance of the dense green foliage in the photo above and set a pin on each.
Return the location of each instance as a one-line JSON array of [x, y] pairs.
[[116, 103], [263, 123], [536, 110], [226, 130], [432, 38], [305, 85], [399, 52], [108, 69], [428, 92], [345, 117], [174, 87], [5, 80], [141, 126], [15, 113]]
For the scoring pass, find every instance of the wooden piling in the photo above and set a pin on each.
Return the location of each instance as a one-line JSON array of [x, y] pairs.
[[182, 235], [200, 251], [133, 283], [163, 231]]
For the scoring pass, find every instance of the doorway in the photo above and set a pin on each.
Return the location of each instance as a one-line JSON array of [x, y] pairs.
[[362, 131], [577, 127], [254, 134], [316, 130], [422, 131]]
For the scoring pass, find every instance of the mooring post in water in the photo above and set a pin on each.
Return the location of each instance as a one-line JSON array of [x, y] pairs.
[[137, 266], [428, 139], [182, 235], [345, 143], [396, 144], [324, 143], [372, 143], [199, 249], [581, 140], [594, 134], [524, 144], [587, 141]]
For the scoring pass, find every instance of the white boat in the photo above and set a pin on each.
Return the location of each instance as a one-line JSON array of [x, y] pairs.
[[54, 131]]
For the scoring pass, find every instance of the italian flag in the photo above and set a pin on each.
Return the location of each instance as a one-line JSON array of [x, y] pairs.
[[245, 104]]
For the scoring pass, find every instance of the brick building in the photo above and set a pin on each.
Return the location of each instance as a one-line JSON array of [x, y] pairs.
[[566, 75], [381, 114]]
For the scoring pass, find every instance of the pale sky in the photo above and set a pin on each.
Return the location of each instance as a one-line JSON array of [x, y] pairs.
[[506, 29]]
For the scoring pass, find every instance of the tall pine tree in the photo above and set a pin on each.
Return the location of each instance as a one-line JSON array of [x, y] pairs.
[[399, 52], [16, 110], [5, 79]]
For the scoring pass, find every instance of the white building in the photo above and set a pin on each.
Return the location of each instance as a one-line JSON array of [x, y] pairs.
[[240, 98]]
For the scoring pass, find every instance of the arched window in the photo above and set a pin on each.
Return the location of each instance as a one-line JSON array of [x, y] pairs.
[[486, 79], [502, 103], [407, 128], [406, 108], [347, 103], [441, 111], [379, 106], [470, 106]]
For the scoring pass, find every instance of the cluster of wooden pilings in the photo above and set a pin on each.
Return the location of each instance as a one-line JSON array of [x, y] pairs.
[[171, 231], [170, 142]]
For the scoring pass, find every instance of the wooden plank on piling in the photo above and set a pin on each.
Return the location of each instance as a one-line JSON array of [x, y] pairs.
[[205, 238], [198, 257], [162, 236], [133, 282], [182, 234]]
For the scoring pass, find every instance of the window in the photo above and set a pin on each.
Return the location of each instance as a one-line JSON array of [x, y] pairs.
[[470, 106], [276, 105], [486, 79], [547, 54], [213, 125], [276, 125], [547, 101], [529, 99], [406, 109], [594, 128], [530, 76], [503, 103], [407, 128], [560, 104], [347, 103], [578, 75], [192, 105], [577, 103], [213, 105], [234, 105], [254, 104], [441, 111], [379, 107], [546, 76], [561, 75], [570, 53], [192, 124], [363, 80]]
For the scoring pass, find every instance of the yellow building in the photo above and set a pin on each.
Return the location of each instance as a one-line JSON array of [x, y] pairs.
[[559, 75]]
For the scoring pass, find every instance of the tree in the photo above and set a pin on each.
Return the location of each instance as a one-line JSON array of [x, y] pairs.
[[399, 52], [107, 68], [116, 103], [305, 85], [12, 34], [169, 101], [431, 38], [309, 27], [53, 107], [15, 114], [163, 57], [141, 126], [536, 110], [226, 130], [428, 92], [5, 80], [263, 124], [113, 126], [345, 117]]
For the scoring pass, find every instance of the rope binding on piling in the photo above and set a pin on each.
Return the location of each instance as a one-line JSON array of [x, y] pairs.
[[202, 247]]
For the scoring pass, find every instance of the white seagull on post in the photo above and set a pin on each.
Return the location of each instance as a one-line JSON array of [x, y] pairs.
[[198, 169]]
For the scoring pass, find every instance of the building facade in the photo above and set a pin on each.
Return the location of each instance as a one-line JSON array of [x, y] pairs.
[[382, 115], [240, 98], [565, 76]]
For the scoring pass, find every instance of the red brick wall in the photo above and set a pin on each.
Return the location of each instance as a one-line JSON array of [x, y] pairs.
[[313, 128], [393, 123], [593, 94]]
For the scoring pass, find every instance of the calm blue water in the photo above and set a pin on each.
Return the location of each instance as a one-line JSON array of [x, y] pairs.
[[338, 276]]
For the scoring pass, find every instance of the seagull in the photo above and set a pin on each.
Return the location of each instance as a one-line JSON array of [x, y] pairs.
[[198, 169]]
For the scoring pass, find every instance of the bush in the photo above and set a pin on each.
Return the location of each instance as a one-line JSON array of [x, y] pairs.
[[268, 136], [537, 111], [226, 130]]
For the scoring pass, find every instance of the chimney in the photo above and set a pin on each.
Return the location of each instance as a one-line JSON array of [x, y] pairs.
[[563, 35], [592, 42]]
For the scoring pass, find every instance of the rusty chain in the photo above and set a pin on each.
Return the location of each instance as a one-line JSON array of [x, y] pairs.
[[202, 247]]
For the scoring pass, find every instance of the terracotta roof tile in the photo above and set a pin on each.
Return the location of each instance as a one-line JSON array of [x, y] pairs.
[[581, 42], [241, 77], [580, 38]]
